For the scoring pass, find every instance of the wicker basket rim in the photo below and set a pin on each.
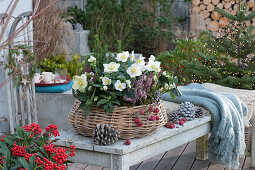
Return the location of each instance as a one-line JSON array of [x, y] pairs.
[[124, 107]]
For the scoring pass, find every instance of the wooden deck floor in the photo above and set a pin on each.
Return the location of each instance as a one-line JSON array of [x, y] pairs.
[[180, 158]]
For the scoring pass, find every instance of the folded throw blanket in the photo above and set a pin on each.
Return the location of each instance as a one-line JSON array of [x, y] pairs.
[[226, 143]]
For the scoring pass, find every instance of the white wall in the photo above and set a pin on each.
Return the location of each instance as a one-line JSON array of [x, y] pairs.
[[22, 6]]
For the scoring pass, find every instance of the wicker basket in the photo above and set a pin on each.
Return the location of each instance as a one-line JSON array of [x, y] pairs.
[[121, 118]]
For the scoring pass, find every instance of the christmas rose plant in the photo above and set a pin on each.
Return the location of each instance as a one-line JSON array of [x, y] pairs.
[[29, 149], [123, 80]]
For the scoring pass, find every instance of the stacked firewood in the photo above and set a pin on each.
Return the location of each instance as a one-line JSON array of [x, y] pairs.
[[214, 21]]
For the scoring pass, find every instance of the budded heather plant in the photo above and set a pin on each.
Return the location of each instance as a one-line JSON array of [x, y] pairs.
[[29, 149]]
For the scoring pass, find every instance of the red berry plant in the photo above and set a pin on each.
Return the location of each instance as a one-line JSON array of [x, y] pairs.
[[31, 149]]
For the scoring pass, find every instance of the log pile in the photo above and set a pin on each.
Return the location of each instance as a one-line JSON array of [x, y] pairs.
[[214, 21]]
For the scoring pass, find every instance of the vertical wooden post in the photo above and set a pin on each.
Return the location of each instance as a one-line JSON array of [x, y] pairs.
[[21, 101], [15, 100], [33, 102], [202, 148], [9, 100], [28, 105]]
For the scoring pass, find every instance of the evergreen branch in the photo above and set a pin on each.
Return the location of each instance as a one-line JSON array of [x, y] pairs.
[[224, 13], [250, 16], [249, 30], [210, 34]]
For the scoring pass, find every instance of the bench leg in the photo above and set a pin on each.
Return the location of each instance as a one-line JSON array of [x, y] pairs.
[[118, 163], [253, 148], [202, 148]]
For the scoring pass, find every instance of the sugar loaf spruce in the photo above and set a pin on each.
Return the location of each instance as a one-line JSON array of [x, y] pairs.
[[104, 134], [186, 110]]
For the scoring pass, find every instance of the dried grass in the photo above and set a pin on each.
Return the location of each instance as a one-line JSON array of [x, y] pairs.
[[50, 30]]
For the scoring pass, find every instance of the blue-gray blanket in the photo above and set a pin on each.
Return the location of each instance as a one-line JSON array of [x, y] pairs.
[[226, 143]]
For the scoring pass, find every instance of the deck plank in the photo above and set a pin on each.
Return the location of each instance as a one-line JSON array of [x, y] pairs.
[[200, 165], [180, 158], [93, 168], [241, 161], [247, 164], [216, 166], [76, 166], [187, 158], [134, 167], [170, 158], [151, 163]]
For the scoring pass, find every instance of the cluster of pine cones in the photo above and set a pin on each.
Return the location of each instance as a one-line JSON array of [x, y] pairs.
[[187, 111]]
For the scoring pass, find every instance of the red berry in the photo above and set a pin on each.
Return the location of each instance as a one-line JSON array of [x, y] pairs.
[[139, 124], [181, 122], [127, 142], [168, 124], [184, 119], [172, 126], [137, 120], [3, 156], [142, 112], [150, 108], [153, 118], [157, 117], [156, 110]]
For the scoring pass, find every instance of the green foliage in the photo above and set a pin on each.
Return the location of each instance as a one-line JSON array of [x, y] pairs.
[[186, 51], [90, 89], [73, 67], [223, 72], [238, 42], [24, 149], [75, 15], [154, 25], [138, 25]]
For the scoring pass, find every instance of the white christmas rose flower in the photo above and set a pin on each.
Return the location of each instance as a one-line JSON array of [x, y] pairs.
[[128, 83], [164, 73], [105, 88], [134, 70], [167, 86], [111, 67], [122, 56], [140, 61], [80, 82], [152, 58], [132, 56], [119, 86], [106, 81], [153, 66], [91, 59]]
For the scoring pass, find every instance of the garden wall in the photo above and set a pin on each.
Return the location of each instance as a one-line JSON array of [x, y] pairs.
[[214, 21]]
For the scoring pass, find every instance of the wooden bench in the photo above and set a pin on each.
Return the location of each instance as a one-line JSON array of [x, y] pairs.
[[119, 156]]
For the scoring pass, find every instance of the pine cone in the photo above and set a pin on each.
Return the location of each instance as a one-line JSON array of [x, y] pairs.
[[157, 97], [199, 112], [104, 134], [186, 110], [173, 117]]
